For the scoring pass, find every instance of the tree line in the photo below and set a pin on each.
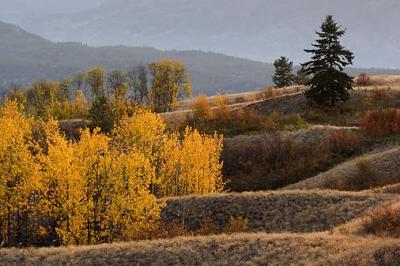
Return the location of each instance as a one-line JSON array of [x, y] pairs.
[[324, 73], [105, 97], [100, 188]]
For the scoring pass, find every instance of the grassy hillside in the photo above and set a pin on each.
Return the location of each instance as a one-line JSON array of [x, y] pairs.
[[384, 169], [286, 211], [241, 249]]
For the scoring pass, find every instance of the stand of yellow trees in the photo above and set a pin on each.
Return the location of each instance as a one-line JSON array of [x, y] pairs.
[[100, 188]]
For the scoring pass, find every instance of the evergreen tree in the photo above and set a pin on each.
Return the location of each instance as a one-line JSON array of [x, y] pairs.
[[329, 83], [101, 114], [283, 76], [302, 78]]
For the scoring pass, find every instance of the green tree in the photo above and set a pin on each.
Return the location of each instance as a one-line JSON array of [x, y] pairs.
[[95, 80], [137, 80], [283, 76], [116, 81], [302, 78], [170, 83], [101, 114], [42, 99], [79, 83], [329, 83], [64, 90]]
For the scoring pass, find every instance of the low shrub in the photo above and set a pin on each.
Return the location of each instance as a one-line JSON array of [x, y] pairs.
[[363, 80], [379, 98], [382, 122], [293, 122], [262, 163], [166, 229], [237, 225], [366, 177], [345, 143], [224, 120], [384, 222], [269, 163]]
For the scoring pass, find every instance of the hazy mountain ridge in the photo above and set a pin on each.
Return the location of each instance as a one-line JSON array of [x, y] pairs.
[[25, 57], [258, 29]]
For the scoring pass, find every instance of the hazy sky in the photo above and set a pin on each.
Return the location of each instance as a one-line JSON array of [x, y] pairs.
[[51, 6]]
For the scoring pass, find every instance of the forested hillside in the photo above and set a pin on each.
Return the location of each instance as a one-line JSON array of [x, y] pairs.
[[25, 57], [257, 29]]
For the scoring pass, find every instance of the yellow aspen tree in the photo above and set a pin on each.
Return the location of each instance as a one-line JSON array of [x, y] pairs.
[[170, 167], [144, 133], [200, 164], [18, 173], [191, 164], [80, 105], [92, 154], [133, 208], [61, 189]]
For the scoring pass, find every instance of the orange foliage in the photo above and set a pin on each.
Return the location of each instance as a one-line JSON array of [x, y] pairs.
[[382, 122]]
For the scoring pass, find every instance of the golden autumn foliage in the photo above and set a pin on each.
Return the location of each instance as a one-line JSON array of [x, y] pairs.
[[100, 188], [18, 171], [190, 164], [184, 164]]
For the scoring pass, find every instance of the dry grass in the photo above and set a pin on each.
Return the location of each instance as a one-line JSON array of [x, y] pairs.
[[241, 98], [385, 80], [395, 189], [290, 101], [382, 221], [286, 211], [385, 164], [234, 101], [238, 249]]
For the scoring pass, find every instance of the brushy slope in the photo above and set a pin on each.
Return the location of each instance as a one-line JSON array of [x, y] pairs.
[[386, 164], [287, 211], [361, 100], [240, 249]]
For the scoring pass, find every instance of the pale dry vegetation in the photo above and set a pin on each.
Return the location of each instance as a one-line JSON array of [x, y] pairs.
[[286, 211], [238, 249]]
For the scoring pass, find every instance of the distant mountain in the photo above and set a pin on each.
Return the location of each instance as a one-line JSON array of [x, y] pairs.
[[258, 29], [25, 57]]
